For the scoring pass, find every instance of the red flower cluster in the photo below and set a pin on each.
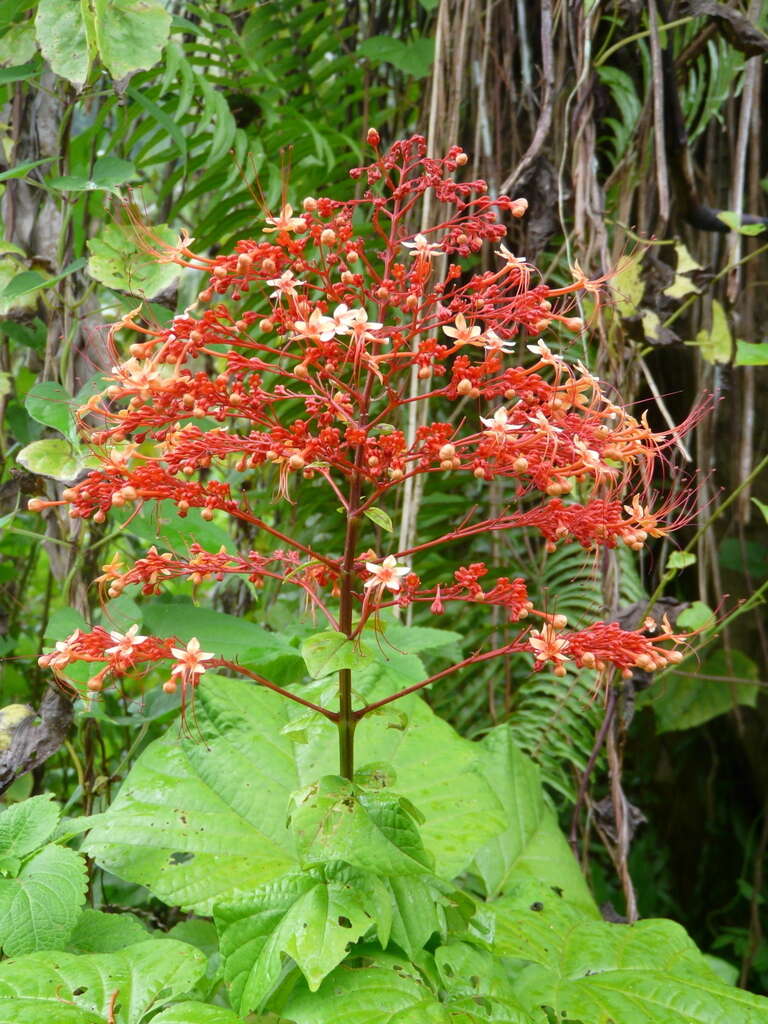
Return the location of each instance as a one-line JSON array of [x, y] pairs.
[[346, 307]]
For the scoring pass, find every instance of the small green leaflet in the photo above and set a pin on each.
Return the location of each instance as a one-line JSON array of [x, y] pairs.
[[734, 222], [380, 518], [681, 559]]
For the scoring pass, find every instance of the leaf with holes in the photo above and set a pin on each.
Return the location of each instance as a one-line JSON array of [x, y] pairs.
[[63, 988], [118, 261], [594, 971], [332, 820], [199, 821], [40, 906], [532, 847], [383, 989], [310, 917]]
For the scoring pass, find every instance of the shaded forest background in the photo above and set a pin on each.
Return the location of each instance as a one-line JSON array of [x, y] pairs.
[[637, 133]]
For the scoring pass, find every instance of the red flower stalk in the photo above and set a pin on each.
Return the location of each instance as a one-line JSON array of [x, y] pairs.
[[345, 304]]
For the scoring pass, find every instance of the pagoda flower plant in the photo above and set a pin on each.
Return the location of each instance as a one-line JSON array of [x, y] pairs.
[[361, 862], [314, 381]]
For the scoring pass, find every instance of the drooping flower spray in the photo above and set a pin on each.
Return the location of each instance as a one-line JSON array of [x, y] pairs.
[[328, 313]]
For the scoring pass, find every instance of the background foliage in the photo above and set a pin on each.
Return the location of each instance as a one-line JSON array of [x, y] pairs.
[[625, 136]]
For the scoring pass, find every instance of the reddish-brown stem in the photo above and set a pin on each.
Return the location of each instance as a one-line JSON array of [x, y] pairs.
[[290, 541], [325, 712], [473, 659]]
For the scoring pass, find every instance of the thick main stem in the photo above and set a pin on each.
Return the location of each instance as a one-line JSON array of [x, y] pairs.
[[346, 721], [346, 725]]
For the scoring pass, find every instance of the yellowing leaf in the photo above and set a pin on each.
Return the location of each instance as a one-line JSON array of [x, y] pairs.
[[715, 344], [628, 287]]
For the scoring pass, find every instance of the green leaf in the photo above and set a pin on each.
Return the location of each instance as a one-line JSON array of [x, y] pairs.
[[201, 819], [27, 825], [22, 72], [479, 984], [698, 617], [628, 286], [646, 973], [332, 821], [98, 932], [30, 281], [734, 222], [380, 518], [715, 344], [684, 697], [63, 622], [681, 559], [18, 45], [108, 173], [532, 848], [415, 639], [418, 911], [763, 508], [23, 284], [63, 988], [751, 353], [21, 170], [382, 990], [118, 261], [227, 635], [63, 38], [195, 1013], [157, 113], [330, 651], [162, 525], [49, 403], [414, 58], [310, 917], [39, 907], [52, 457], [130, 34]]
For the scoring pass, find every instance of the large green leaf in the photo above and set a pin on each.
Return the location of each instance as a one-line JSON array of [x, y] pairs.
[[118, 261], [130, 34], [53, 457], [63, 988], [373, 831], [683, 699], [49, 403], [62, 34], [40, 906], [311, 917], [646, 973], [108, 172], [479, 985], [330, 651], [98, 932], [18, 44], [382, 990], [226, 635], [532, 847], [196, 1013], [203, 818]]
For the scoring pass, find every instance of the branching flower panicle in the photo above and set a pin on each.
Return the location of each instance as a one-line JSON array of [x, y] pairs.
[[300, 349]]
